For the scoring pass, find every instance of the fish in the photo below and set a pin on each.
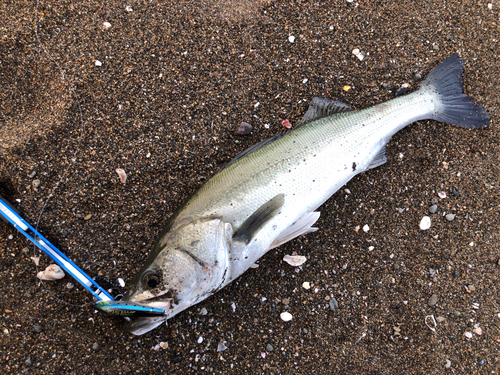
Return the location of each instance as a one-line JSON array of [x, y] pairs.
[[268, 195]]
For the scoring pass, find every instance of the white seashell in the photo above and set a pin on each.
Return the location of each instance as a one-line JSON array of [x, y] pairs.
[[306, 285], [442, 194], [36, 260], [425, 223], [121, 282], [164, 345], [286, 316], [295, 260], [52, 272], [121, 173], [366, 228], [291, 39], [98, 63], [106, 25]]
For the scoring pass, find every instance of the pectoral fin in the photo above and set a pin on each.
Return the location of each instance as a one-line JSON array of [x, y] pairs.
[[302, 226], [259, 218]]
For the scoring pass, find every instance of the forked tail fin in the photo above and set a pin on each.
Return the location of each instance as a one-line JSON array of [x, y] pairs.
[[455, 106]]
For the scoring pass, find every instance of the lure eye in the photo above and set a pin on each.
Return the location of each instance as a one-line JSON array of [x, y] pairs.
[[151, 278]]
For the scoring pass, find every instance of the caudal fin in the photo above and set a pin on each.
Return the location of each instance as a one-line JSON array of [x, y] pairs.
[[455, 106]]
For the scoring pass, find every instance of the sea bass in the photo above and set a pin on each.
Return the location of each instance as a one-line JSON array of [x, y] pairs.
[[268, 194]]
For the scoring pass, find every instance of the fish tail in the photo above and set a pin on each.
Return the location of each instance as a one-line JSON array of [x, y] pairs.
[[454, 106]]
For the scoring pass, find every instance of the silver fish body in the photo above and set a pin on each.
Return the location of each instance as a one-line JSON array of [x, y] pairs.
[[269, 194]]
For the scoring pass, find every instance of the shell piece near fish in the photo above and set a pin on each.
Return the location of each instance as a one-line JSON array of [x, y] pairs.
[[52, 272]]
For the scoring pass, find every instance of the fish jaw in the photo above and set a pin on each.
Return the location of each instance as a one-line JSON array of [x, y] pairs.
[[190, 262]]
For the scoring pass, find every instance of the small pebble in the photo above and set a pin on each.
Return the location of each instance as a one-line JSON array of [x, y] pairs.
[[433, 209], [203, 311], [106, 25], [306, 285], [333, 304], [36, 183], [95, 346], [432, 272], [121, 282], [164, 345], [442, 194], [98, 63], [244, 129], [418, 76], [433, 300], [440, 319], [37, 328], [468, 335], [28, 362], [472, 288], [366, 228], [200, 339], [285, 301], [425, 223], [291, 39], [269, 348], [450, 217], [481, 362]]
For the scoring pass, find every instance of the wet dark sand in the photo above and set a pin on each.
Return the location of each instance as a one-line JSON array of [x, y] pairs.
[[176, 80]]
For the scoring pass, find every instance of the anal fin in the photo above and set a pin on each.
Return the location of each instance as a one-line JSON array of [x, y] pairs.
[[302, 226], [379, 159]]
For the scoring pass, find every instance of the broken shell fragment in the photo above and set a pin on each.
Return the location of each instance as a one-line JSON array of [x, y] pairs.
[[425, 223], [52, 272], [295, 260], [286, 316], [121, 173]]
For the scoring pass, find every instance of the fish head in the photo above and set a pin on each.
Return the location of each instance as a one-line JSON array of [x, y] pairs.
[[188, 264]]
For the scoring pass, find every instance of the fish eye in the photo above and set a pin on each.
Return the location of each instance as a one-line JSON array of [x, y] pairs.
[[151, 278]]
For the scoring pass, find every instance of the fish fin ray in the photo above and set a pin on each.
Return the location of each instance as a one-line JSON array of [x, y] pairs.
[[379, 159], [322, 107], [259, 218], [139, 326], [302, 226], [455, 107]]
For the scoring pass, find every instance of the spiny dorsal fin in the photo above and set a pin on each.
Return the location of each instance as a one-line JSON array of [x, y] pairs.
[[259, 218], [322, 107]]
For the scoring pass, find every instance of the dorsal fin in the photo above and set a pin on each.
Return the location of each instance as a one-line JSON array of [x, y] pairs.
[[322, 107]]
